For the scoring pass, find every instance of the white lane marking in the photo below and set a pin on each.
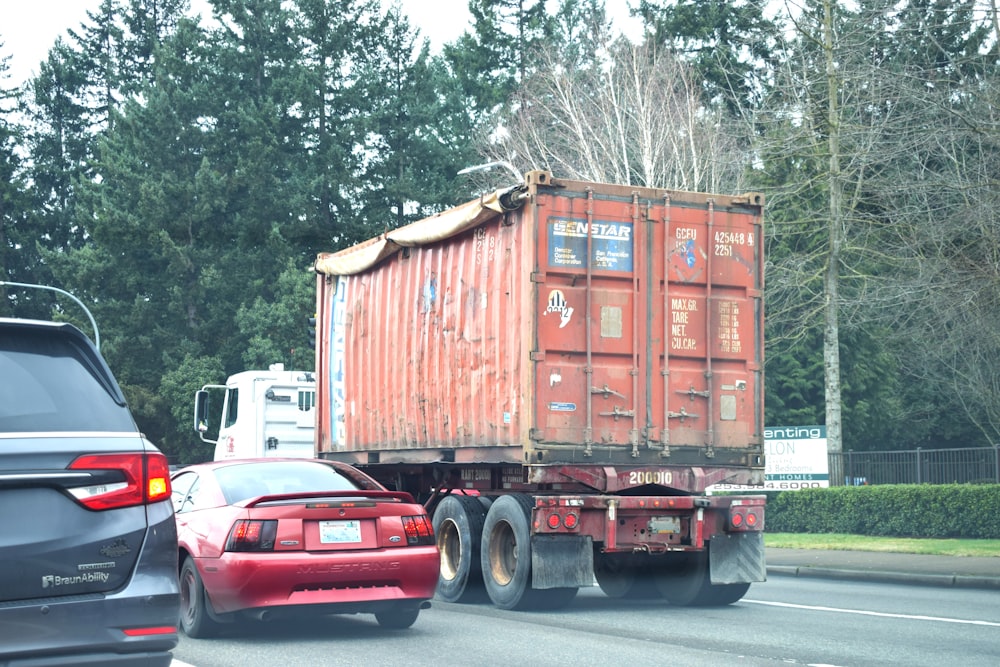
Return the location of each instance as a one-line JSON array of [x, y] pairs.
[[861, 612]]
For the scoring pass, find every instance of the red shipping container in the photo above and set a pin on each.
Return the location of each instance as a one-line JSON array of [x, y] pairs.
[[557, 323]]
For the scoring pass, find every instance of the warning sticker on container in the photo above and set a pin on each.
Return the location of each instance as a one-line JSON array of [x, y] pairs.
[[610, 244]]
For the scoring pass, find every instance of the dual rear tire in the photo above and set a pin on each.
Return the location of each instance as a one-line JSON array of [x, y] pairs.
[[682, 579], [487, 546], [506, 558], [458, 525]]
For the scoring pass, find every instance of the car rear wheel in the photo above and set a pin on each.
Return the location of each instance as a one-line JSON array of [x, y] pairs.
[[195, 619], [397, 619]]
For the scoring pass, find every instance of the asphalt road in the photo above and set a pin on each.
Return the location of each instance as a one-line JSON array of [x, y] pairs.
[[809, 619]]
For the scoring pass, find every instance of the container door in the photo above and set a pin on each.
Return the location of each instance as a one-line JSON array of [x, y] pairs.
[[649, 329], [705, 381], [591, 331]]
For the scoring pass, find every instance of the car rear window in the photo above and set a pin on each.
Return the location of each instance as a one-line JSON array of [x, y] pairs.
[[49, 382], [249, 480]]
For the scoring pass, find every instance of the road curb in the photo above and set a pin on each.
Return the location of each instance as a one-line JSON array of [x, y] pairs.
[[924, 579]]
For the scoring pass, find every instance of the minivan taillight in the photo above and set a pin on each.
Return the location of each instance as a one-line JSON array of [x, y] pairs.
[[122, 479]]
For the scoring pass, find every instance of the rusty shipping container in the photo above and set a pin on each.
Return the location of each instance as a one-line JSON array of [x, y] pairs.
[[552, 325]]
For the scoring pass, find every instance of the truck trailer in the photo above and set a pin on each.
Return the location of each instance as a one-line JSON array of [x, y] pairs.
[[559, 370]]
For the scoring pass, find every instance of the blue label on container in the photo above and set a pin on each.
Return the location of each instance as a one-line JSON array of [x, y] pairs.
[[562, 407], [610, 244]]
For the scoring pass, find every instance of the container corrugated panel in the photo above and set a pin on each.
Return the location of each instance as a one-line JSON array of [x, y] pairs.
[[595, 324]]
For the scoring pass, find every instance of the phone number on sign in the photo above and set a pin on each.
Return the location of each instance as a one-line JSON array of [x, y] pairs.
[[773, 486]]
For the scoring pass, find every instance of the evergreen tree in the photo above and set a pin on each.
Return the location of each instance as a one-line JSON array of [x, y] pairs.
[[148, 208], [417, 144], [730, 43], [492, 59], [60, 145], [17, 244]]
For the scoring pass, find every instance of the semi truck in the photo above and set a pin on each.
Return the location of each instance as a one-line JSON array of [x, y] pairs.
[[258, 413], [558, 370]]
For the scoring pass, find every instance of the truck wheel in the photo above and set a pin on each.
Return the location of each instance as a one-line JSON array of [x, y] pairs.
[[719, 595], [458, 524], [195, 619], [547, 599], [616, 578], [506, 551], [680, 579]]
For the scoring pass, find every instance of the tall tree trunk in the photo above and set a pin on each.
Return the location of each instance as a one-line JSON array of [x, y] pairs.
[[831, 330]]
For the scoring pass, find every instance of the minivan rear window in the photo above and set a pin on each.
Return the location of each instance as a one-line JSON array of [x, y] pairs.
[[44, 377]]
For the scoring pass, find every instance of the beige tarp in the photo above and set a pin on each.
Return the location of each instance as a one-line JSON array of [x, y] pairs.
[[435, 228]]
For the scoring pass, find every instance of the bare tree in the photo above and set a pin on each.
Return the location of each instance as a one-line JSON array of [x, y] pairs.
[[634, 118]]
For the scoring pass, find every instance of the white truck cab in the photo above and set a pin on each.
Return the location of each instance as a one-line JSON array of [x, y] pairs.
[[263, 413]]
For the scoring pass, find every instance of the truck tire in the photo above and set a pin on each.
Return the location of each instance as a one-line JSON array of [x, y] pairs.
[[458, 525], [681, 577], [719, 595], [624, 579], [548, 599], [506, 552], [616, 577]]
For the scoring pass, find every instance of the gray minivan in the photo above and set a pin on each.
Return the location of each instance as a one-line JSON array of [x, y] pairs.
[[88, 543]]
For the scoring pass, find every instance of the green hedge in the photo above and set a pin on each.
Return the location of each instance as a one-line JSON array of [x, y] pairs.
[[896, 510]]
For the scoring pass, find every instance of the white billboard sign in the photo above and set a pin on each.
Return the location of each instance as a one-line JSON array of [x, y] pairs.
[[795, 457]]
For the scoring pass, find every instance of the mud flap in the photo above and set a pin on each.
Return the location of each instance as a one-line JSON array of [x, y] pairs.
[[737, 558], [562, 561]]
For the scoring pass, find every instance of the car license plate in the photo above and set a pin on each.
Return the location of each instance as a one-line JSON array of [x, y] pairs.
[[339, 532]]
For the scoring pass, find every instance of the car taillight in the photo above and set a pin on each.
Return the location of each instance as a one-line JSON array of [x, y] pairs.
[[122, 480], [252, 535], [418, 530]]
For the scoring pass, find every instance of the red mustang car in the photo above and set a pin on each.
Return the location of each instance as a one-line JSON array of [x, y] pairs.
[[259, 537]]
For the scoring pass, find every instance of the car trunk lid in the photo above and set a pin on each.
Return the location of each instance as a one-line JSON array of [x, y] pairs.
[[337, 521]]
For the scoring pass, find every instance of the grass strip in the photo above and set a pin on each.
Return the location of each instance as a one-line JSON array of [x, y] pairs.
[[940, 547]]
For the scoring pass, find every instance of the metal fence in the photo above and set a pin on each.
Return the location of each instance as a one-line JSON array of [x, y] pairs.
[[972, 465]]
